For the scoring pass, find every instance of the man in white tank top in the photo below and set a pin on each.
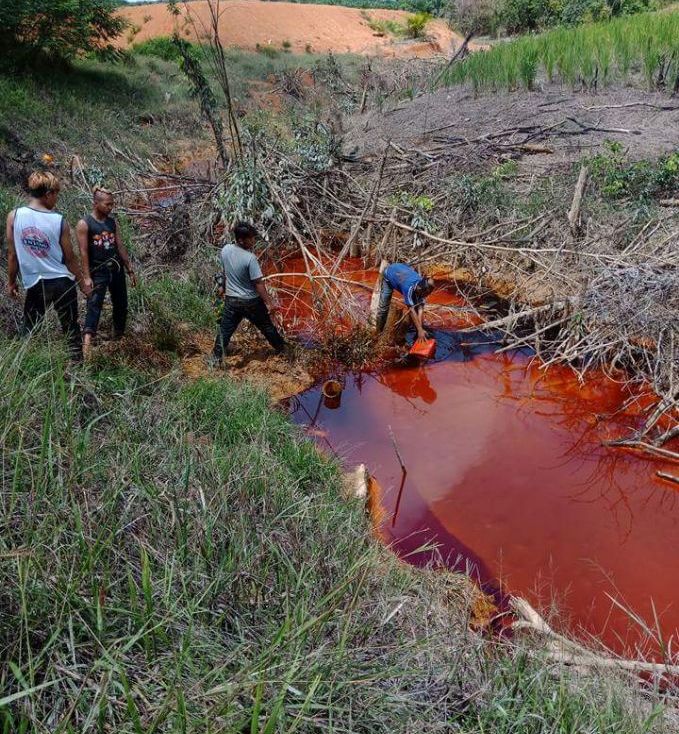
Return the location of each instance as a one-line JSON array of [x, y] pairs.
[[39, 247]]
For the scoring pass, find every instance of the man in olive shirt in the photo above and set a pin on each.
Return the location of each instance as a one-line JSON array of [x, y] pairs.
[[245, 295]]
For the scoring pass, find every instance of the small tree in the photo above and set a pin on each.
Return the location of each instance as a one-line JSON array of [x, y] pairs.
[[61, 29], [480, 17]]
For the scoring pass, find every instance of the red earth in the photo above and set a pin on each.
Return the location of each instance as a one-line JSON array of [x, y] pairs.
[[249, 24]]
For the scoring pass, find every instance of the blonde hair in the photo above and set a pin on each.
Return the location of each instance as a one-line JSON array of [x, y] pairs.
[[41, 183]]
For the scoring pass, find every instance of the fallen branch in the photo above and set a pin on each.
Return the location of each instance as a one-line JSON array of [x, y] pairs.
[[574, 213], [630, 443], [668, 477], [563, 650]]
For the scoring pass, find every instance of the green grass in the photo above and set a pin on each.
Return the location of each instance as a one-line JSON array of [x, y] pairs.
[[590, 55], [94, 102], [174, 558]]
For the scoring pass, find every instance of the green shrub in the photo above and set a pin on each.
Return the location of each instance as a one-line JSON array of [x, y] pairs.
[[60, 29], [618, 178], [519, 16], [416, 25], [481, 17], [162, 47], [268, 51], [585, 11]]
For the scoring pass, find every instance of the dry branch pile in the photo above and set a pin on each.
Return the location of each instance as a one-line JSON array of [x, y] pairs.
[[584, 282]]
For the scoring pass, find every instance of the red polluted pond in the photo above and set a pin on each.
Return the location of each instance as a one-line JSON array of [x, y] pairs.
[[507, 471]]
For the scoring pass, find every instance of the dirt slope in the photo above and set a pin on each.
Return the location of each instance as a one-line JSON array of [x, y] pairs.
[[323, 28], [576, 123]]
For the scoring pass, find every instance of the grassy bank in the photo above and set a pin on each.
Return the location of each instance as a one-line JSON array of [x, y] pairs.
[[593, 55], [173, 558]]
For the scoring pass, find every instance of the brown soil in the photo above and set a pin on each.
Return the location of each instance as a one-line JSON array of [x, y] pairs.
[[319, 28], [250, 360]]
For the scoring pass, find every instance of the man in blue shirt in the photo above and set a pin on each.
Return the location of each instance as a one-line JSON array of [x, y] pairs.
[[412, 286]]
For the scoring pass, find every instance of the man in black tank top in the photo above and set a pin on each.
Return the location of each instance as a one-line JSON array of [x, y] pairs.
[[104, 262]]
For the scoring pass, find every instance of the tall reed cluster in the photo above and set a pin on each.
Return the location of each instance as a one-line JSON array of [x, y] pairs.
[[590, 55]]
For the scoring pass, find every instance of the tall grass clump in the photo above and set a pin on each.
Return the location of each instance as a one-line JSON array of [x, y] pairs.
[[588, 55], [173, 558]]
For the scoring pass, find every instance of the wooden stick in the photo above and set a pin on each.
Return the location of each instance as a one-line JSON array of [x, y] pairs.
[[574, 213], [668, 477], [375, 298], [398, 453]]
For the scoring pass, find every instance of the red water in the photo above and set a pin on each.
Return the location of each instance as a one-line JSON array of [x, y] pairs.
[[506, 473]]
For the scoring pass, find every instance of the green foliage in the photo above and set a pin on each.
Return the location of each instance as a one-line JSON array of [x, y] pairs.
[[433, 7], [480, 17], [270, 52], [592, 54], [518, 16], [191, 64], [163, 47], [618, 178], [527, 695], [521, 16], [59, 29], [585, 11], [416, 25]]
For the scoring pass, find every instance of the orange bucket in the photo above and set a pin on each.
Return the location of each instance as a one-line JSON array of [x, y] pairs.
[[332, 394], [423, 348]]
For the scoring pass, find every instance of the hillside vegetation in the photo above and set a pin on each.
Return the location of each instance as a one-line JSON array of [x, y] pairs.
[[592, 55], [174, 556]]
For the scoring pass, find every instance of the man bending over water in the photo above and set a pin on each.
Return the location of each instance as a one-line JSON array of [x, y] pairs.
[[412, 286]]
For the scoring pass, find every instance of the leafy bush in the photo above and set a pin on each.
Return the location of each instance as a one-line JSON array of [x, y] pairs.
[[416, 25], [60, 29], [162, 47], [618, 178], [529, 15], [585, 11], [480, 17]]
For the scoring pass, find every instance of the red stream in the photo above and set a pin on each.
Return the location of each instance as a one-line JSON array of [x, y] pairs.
[[506, 472]]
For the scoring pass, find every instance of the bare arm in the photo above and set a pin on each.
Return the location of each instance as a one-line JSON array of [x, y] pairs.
[[12, 260], [264, 294], [124, 256], [81, 234], [416, 314], [71, 260]]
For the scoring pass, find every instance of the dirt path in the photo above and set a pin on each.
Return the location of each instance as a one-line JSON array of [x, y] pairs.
[[316, 28]]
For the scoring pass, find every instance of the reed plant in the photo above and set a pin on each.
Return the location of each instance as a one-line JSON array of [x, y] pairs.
[[588, 55]]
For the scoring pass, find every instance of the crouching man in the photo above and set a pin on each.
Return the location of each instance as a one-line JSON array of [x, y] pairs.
[[412, 286], [245, 295]]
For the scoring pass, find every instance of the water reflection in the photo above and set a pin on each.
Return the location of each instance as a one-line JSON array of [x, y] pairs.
[[506, 471]]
